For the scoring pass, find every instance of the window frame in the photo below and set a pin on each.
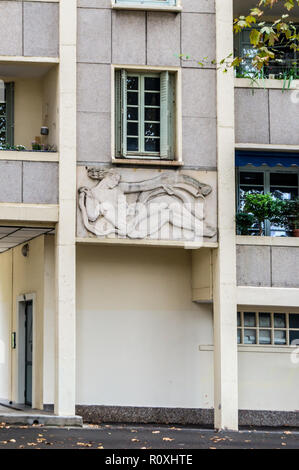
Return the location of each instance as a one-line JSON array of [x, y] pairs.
[[167, 5], [176, 159], [272, 328], [9, 113], [266, 170]]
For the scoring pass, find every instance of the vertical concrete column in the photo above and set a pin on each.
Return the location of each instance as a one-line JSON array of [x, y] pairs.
[[224, 258], [65, 234]]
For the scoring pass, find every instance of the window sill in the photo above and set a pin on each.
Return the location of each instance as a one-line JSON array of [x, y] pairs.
[[266, 241], [256, 348], [131, 161], [128, 6], [267, 83], [29, 155]]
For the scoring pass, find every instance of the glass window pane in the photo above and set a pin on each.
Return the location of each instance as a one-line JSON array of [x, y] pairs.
[[279, 320], [152, 99], [249, 319], [239, 336], [264, 336], [132, 128], [132, 114], [132, 98], [152, 145], [284, 193], [294, 320], [132, 83], [284, 179], [249, 336], [132, 144], [152, 114], [265, 320], [151, 83], [152, 130], [252, 178], [239, 319], [294, 336], [280, 337]]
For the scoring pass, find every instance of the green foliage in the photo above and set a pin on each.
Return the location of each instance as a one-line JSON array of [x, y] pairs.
[[12, 147], [244, 222], [264, 207], [290, 214]]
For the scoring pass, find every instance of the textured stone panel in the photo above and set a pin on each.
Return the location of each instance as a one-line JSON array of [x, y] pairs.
[[41, 29], [199, 142], [251, 116], [198, 39], [199, 6], [94, 88], [128, 37], [40, 183], [94, 141], [10, 28], [253, 266], [163, 38], [199, 93], [284, 117], [285, 266], [94, 3], [10, 181], [94, 35]]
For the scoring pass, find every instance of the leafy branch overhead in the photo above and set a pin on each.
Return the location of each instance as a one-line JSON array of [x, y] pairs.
[[264, 37]]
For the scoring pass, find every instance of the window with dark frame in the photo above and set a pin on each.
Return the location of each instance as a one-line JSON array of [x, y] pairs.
[[6, 115], [267, 328], [283, 184]]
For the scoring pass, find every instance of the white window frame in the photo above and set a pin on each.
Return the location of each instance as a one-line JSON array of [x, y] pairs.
[[177, 158], [160, 5], [257, 328]]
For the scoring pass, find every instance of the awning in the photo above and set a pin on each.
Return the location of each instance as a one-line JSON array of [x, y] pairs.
[[259, 158]]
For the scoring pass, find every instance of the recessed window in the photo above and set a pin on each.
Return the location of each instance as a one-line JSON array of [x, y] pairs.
[[145, 115], [6, 114], [171, 3], [267, 328]]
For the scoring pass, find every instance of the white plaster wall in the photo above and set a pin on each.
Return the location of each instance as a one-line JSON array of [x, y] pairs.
[[138, 331], [5, 320], [268, 381]]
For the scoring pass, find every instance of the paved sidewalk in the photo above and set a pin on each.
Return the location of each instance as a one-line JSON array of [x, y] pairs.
[[141, 437], [29, 416]]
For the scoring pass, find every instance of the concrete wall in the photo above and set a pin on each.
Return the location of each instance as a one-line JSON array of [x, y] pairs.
[[138, 331], [29, 182], [49, 319], [146, 38], [29, 28], [267, 266], [5, 322], [266, 116]]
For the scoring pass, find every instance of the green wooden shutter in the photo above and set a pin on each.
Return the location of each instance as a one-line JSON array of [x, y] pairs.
[[118, 113], [124, 113], [9, 92], [164, 132]]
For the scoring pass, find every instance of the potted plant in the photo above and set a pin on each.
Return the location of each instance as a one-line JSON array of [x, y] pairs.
[[244, 222], [264, 207], [290, 216]]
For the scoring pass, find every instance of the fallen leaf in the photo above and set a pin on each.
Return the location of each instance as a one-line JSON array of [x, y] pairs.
[[135, 440], [287, 432], [155, 432], [167, 439], [12, 440]]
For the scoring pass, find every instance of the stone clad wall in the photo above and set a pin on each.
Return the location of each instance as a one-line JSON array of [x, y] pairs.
[[266, 116], [107, 36], [266, 266], [29, 28]]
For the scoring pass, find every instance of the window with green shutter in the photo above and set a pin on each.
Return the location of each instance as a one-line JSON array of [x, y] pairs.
[[144, 107], [6, 114]]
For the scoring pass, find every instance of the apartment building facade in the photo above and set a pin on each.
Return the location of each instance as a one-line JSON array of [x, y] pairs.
[[125, 293]]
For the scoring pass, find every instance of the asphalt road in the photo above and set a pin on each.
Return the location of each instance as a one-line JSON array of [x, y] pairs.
[[141, 437]]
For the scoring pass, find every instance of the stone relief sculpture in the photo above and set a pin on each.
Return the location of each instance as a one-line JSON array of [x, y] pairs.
[[140, 209]]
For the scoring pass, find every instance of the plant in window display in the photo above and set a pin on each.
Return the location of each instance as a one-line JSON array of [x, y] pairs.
[[264, 207], [244, 222], [290, 216]]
